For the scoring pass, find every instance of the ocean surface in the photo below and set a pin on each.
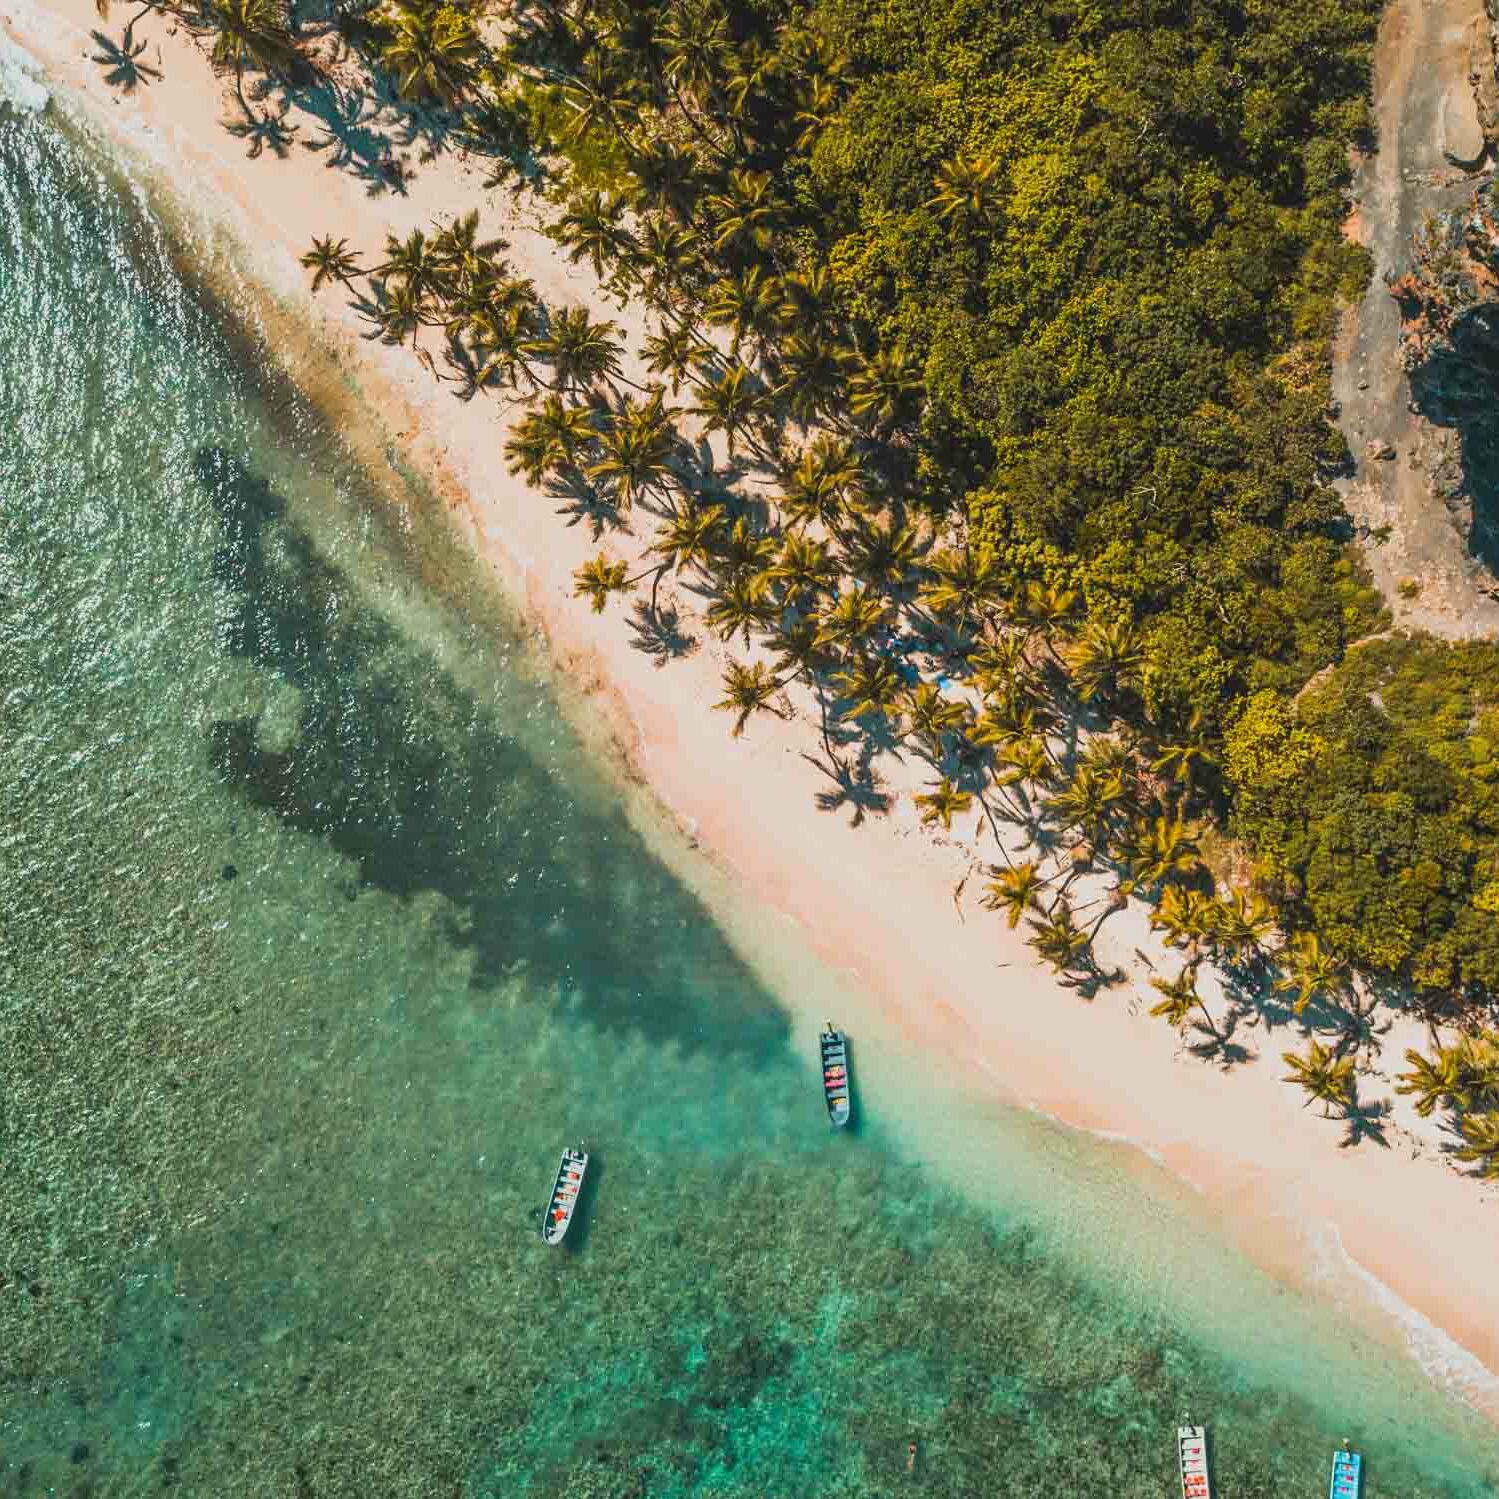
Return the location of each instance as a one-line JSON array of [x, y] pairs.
[[321, 934]]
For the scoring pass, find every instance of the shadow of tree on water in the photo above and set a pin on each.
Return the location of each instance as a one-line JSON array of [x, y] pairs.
[[399, 769]]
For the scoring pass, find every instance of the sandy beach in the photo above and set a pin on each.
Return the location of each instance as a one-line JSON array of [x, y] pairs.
[[875, 902]]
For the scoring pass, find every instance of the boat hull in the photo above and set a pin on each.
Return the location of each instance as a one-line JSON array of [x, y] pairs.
[[1347, 1475], [566, 1190], [835, 1079], [1192, 1461]]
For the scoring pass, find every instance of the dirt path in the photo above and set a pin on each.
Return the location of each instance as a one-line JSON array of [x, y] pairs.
[[1422, 52]]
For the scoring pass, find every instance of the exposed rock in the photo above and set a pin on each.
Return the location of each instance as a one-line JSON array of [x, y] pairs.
[[1463, 140], [1449, 346], [1483, 75], [1483, 68]]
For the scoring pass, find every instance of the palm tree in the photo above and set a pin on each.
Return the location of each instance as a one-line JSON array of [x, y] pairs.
[[579, 350], [590, 230], [797, 651], [249, 31], [741, 606], [1016, 890], [734, 404], [1178, 760], [745, 210], [595, 95], [871, 686], [399, 312], [747, 689], [1030, 760], [1164, 850], [815, 107], [667, 175], [1087, 803], [433, 51], [746, 551], [331, 260], [943, 803], [1326, 1076], [746, 302], [1310, 970], [882, 555], [1179, 997], [853, 619], [1184, 915], [755, 70], [1480, 1134], [804, 570], [549, 438], [808, 300], [967, 189], [662, 257], [689, 537], [694, 35], [1104, 660], [1435, 1082], [675, 350], [464, 257], [598, 578], [1240, 924], [825, 484], [1046, 606], [883, 386], [411, 262], [1464, 1076], [809, 369], [1059, 940], [966, 580], [636, 450], [932, 716]]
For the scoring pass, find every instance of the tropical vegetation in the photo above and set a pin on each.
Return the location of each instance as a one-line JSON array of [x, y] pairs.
[[983, 406]]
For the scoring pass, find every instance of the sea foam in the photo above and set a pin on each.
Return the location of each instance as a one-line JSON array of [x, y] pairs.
[[21, 78]]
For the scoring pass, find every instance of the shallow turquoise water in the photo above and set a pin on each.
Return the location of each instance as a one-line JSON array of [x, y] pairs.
[[318, 938]]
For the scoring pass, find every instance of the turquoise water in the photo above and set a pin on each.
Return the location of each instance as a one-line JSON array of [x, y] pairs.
[[319, 937]]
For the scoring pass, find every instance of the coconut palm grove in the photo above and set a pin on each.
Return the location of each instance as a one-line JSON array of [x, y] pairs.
[[983, 404]]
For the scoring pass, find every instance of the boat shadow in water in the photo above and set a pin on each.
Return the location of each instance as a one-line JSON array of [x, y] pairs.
[[855, 1125]]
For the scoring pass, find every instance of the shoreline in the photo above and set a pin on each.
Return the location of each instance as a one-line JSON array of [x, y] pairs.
[[958, 987]]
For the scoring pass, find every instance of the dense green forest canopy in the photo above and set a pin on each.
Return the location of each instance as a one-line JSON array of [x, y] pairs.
[[1104, 241], [1013, 318]]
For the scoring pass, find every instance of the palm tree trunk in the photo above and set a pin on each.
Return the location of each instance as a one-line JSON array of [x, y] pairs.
[[697, 126]]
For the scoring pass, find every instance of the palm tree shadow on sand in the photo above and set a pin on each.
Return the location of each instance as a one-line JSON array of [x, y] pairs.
[[122, 59], [406, 775]]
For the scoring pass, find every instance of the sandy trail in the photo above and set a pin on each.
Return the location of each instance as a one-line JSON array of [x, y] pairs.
[[1422, 52], [874, 902]]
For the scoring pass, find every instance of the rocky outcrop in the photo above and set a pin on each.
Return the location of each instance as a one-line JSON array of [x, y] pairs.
[[1449, 347], [1483, 71]]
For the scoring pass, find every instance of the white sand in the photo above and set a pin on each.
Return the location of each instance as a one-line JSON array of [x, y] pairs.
[[1413, 1239]]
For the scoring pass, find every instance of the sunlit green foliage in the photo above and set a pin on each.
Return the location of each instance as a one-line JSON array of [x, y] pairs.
[[1375, 799], [1018, 314]]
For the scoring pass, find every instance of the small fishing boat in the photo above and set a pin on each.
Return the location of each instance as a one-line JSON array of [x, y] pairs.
[[1192, 1460], [565, 1192], [1347, 1474], [835, 1074]]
